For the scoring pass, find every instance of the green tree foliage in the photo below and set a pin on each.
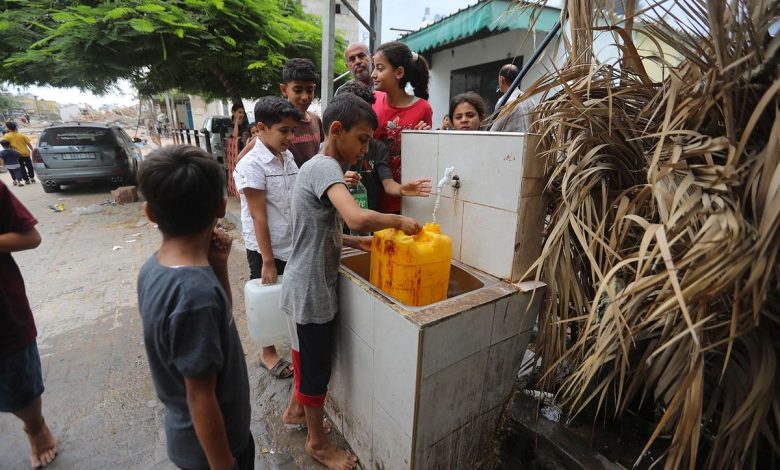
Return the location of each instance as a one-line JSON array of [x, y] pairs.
[[214, 48]]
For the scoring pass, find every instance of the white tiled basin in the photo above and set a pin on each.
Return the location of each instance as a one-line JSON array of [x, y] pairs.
[[408, 381]]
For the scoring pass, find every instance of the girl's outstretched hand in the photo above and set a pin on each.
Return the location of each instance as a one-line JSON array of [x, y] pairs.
[[419, 188]]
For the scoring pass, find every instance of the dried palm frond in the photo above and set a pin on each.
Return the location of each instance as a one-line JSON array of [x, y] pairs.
[[661, 256]]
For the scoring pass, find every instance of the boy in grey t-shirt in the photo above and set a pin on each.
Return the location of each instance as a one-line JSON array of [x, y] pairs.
[[320, 201], [184, 299]]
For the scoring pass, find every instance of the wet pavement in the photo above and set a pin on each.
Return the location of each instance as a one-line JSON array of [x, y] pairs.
[[99, 399]]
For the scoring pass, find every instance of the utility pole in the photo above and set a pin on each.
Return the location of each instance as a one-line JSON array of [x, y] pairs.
[[328, 46]]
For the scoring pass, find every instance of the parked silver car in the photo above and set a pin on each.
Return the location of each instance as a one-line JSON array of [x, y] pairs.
[[83, 153], [217, 127]]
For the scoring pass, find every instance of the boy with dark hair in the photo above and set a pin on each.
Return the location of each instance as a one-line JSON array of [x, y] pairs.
[[320, 201], [373, 169], [21, 143], [21, 381], [265, 178], [184, 299], [10, 158], [299, 80]]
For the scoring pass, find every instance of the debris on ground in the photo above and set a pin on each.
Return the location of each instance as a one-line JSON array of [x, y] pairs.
[[57, 207], [90, 209], [125, 194], [116, 247], [225, 225]]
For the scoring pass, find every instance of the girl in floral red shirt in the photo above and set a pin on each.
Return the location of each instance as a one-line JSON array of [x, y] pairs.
[[395, 65]]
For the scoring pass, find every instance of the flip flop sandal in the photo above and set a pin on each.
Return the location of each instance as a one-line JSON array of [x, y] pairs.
[[279, 369], [326, 424]]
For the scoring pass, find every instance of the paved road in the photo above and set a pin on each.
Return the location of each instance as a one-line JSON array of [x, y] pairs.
[[99, 398]]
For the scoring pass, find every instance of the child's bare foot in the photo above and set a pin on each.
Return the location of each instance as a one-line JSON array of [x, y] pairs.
[[43, 447], [292, 417], [332, 457]]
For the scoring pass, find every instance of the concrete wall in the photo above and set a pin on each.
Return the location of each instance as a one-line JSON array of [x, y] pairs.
[[346, 22], [504, 45], [202, 109]]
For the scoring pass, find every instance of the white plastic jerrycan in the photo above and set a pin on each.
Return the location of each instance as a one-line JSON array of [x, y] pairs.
[[267, 322]]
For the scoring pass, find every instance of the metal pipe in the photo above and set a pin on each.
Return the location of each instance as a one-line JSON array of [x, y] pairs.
[[527, 66], [328, 43], [358, 17]]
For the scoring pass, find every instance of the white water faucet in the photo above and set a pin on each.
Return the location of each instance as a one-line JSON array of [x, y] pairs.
[[450, 178]]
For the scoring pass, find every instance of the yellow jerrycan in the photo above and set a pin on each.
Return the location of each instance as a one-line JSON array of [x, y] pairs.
[[415, 270]]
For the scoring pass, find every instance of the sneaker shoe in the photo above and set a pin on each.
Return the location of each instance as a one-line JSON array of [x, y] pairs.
[[27, 181], [22, 184], [16, 183], [32, 180]]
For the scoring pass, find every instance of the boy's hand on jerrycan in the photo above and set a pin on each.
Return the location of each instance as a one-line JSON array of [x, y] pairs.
[[268, 272], [219, 248], [409, 226]]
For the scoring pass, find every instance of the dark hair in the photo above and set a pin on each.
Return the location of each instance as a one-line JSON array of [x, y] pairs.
[[358, 89], [299, 69], [5, 143], [415, 71], [471, 98], [235, 107], [271, 110], [349, 110], [183, 187], [11, 126], [510, 72]]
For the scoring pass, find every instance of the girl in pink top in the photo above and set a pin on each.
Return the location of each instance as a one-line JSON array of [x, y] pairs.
[[395, 65]]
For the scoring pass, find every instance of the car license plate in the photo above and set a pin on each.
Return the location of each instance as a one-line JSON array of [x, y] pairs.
[[79, 156]]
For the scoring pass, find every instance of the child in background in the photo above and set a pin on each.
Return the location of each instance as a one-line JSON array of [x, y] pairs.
[[10, 158], [309, 295], [467, 111], [395, 65], [373, 169], [265, 178], [21, 143], [240, 125], [184, 298], [21, 380], [299, 80]]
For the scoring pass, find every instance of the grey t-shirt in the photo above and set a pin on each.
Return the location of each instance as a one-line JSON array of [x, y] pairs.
[[189, 331], [309, 284]]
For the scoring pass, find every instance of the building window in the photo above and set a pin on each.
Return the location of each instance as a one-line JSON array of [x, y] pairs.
[[481, 79], [338, 8]]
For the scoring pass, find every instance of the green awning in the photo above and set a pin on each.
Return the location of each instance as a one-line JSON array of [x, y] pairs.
[[481, 19]]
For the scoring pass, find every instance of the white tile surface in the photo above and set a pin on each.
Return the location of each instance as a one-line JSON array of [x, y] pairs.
[[455, 338], [489, 167], [504, 361], [509, 313], [396, 343], [392, 446], [419, 156], [450, 398], [357, 383], [488, 239], [356, 308]]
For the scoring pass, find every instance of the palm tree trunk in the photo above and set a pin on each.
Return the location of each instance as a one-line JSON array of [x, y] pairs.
[[231, 87]]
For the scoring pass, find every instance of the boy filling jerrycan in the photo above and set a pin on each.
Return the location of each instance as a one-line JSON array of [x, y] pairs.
[[415, 270]]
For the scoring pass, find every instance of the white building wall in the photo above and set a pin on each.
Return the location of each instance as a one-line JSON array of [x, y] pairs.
[[346, 22], [201, 109], [504, 45]]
